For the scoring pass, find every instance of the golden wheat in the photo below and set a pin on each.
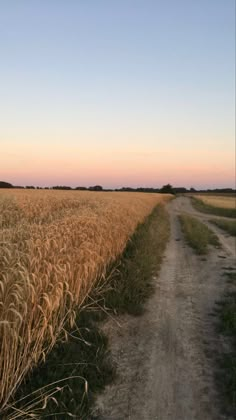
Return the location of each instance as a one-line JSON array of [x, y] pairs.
[[225, 202], [54, 246]]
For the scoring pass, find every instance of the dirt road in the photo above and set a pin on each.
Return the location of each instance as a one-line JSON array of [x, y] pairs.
[[164, 358]]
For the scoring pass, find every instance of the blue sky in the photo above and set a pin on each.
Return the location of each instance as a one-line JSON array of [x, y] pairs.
[[117, 92]]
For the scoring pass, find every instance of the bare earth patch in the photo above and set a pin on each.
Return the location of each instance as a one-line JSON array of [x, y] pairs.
[[164, 358]]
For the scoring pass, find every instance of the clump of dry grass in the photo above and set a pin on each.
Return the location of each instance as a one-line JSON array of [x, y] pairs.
[[54, 246]]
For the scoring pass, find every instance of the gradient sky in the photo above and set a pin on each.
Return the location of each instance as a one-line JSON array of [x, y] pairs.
[[117, 92]]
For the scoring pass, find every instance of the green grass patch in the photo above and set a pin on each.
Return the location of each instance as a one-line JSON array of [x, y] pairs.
[[227, 314], [227, 225], [132, 282], [226, 376], [231, 277], [81, 365], [227, 381], [207, 208], [197, 234]]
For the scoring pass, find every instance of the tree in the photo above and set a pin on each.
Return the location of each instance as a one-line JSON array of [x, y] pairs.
[[167, 189], [96, 188], [180, 190], [5, 185], [61, 187]]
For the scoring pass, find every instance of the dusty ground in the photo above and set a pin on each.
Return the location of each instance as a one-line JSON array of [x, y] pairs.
[[164, 358]]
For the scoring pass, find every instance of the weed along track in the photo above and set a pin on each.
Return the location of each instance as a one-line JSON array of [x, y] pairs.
[[165, 358]]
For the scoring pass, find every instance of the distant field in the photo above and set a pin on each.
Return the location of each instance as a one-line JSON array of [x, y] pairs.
[[218, 201], [54, 246], [219, 205]]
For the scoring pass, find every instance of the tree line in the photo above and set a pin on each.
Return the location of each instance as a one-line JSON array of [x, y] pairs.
[[165, 189]]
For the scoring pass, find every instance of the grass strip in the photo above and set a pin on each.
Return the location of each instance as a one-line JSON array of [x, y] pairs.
[[227, 225], [197, 234], [84, 356], [207, 208], [226, 326], [132, 282]]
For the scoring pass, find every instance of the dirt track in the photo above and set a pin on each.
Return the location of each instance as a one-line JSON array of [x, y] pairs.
[[164, 362]]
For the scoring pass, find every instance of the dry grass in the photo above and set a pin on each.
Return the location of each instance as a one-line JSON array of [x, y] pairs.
[[218, 201], [54, 246]]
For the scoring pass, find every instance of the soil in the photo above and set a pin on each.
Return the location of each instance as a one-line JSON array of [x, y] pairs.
[[165, 358]]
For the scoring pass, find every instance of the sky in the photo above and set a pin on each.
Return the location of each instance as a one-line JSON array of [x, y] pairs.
[[117, 93]]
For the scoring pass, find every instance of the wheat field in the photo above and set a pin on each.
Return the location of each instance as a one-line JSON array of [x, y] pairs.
[[225, 202], [54, 246]]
